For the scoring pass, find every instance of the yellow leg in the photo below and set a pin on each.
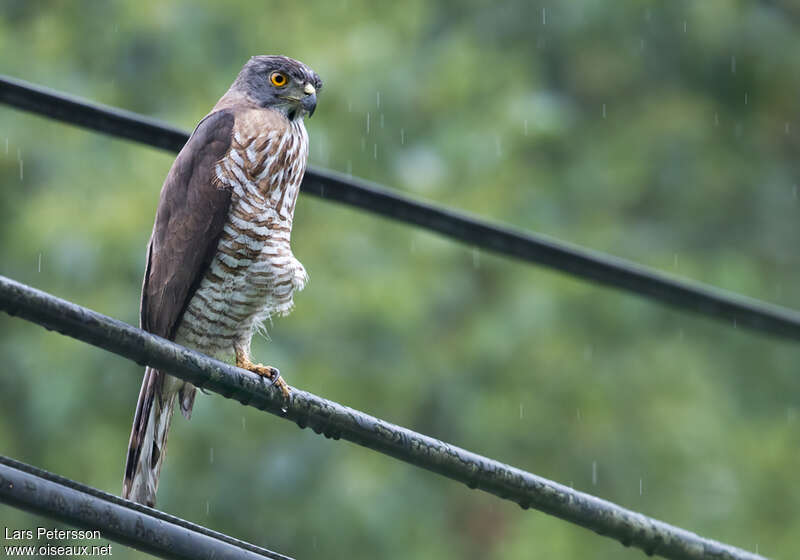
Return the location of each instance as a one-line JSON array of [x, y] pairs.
[[243, 361]]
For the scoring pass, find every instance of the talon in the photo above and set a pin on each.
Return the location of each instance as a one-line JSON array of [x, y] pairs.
[[272, 373], [274, 376], [277, 380], [265, 371], [283, 386]]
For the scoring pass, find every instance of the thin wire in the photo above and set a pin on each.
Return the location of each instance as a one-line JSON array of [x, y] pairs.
[[607, 270], [155, 532], [337, 421]]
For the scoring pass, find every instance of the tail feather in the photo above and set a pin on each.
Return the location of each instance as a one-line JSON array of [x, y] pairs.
[[186, 396], [148, 443]]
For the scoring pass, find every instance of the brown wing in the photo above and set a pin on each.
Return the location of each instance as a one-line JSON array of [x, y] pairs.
[[191, 214], [189, 220]]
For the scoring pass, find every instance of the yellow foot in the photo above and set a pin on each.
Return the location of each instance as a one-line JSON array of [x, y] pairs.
[[270, 372]]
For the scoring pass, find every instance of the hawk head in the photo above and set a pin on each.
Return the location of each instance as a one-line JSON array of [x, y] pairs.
[[280, 83]]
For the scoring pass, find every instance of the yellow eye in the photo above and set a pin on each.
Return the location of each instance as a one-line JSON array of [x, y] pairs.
[[278, 79]]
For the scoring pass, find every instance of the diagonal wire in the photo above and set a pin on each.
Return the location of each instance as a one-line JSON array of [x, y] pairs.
[[576, 261], [337, 421], [134, 525]]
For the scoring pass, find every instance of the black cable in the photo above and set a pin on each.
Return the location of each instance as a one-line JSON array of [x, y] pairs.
[[149, 530], [576, 261], [337, 421]]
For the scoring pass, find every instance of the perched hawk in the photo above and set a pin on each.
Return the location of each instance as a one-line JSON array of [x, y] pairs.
[[219, 260]]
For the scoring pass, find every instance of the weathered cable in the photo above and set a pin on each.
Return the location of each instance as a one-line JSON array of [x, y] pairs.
[[583, 263], [145, 529], [337, 421]]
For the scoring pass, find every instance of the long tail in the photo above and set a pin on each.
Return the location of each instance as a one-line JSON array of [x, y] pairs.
[[148, 443]]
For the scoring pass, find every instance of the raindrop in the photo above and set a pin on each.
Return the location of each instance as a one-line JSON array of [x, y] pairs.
[[382, 120], [640, 486], [208, 507], [716, 119], [684, 26], [375, 151], [367, 122], [378, 99], [794, 191], [402, 136], [520, 411], [20, 170], [745, 98], [594, 473], [350, 106], [733, 65], [40, 262], [544, 16], [641, 44], [525, 126], [476, 258], [314, 542], [647, 15], [604, 110], [578, 414], [785, 130], [211, 455]]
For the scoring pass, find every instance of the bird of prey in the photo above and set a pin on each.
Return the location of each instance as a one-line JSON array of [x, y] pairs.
[[219, 260]]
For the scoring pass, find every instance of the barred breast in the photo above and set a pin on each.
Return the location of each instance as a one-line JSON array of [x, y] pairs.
[[254, 273]]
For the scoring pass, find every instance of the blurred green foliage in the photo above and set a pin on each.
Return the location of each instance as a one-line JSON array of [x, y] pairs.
[[663, 132]]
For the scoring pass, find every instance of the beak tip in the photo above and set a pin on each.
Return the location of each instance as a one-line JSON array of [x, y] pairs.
[[310, 103]]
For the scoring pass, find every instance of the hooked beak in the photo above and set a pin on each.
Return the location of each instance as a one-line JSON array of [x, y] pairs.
[[309, 100]]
